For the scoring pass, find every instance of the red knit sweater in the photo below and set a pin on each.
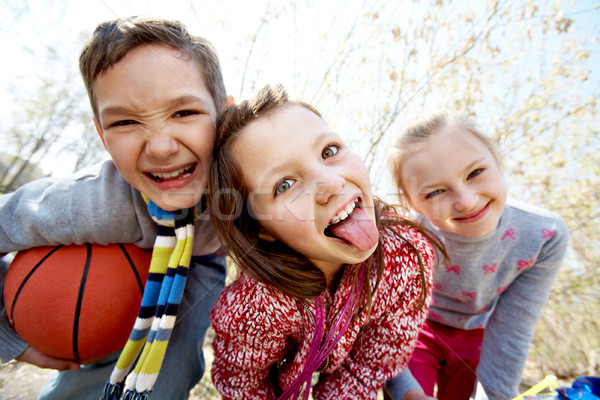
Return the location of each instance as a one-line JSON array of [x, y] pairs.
[[258, 327]]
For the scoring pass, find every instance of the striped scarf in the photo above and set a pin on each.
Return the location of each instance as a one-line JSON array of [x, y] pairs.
[[162, 294]]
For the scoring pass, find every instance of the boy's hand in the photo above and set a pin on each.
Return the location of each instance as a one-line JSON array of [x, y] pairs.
[[416, 394], [42, 360]]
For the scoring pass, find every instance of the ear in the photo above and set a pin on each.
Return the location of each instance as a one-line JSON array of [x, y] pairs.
[[99, 130], [266, 236]]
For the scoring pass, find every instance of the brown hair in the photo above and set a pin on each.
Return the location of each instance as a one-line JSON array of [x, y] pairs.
[[418, 132], [274, 263], [112, 40]]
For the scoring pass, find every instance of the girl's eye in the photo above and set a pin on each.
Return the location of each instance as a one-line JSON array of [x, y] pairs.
[[184, 113], [283, 186], [475, 173], [330, 151], [433, 194]]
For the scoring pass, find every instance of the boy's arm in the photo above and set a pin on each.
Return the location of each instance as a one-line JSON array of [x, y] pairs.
[[509, 331], [13, 347], [95, 205]]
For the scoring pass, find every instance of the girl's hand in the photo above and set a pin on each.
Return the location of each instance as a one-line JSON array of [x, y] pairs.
[[42, 360], [416, 394]]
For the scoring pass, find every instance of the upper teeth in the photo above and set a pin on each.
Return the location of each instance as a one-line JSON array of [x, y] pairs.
[[172, 174], [342, 215]]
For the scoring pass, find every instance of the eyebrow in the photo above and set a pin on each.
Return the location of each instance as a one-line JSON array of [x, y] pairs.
[[172, 103], [277, 169]]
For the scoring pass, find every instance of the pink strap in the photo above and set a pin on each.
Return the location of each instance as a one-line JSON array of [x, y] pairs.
[[320, 349]]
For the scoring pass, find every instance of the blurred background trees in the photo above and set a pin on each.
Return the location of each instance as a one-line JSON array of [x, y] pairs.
[[527, 71]]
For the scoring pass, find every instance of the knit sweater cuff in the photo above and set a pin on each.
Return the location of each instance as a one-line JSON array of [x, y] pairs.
[[402, 384], [11, 345]]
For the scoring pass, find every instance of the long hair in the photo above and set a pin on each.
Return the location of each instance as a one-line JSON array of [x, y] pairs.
[[274, 263]]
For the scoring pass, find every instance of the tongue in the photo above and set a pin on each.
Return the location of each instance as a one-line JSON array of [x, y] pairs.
[[358, 229]]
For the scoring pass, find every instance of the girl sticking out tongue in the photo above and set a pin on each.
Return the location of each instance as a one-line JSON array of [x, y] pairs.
[[331, 280]]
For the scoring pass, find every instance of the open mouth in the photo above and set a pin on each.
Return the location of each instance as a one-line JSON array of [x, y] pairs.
[[342, 215], [180, 173], [353, 226]]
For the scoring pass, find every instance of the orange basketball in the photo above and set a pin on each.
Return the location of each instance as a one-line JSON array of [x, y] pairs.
[[76, 302]]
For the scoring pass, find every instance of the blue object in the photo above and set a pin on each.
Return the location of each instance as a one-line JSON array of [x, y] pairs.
[[583, 388], [590, 383]]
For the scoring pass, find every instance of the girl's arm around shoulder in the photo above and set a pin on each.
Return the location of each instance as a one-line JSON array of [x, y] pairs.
[[252, 323]]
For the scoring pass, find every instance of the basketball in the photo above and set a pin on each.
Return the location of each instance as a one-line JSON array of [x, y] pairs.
[[76, 302]]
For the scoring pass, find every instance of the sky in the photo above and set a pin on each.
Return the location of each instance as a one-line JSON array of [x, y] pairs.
[[228, 24], [29, 28], [294, 31]]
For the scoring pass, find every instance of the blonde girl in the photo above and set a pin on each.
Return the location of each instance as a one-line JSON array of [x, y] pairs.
[[503, 257]]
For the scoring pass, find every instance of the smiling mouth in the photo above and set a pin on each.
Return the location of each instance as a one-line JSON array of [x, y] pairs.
[[473, 216], [180, 173]]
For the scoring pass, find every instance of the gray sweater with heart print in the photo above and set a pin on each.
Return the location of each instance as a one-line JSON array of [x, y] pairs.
[[499, 282]]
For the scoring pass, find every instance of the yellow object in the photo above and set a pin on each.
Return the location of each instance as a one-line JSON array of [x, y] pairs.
[[550, 382]]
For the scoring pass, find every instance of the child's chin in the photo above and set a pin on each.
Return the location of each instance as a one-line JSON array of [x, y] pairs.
[[175, 201], [361, 256]]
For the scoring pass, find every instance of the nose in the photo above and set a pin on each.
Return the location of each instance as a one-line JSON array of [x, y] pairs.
[[328, 186], [161, 145], [465, 199]]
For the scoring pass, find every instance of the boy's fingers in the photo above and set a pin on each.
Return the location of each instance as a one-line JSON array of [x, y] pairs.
[[42, 360]]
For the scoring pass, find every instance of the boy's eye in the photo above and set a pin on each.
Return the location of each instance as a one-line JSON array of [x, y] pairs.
[[475, 173], [123, 122], [330, 151], [283, 185], [433, 194], [184, 113]]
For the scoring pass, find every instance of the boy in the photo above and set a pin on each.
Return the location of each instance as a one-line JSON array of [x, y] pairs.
[[156, 93]]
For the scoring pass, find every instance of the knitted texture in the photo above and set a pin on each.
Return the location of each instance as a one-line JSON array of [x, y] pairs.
[[162, 295], [258, 327], [499, 281], [321, 347]]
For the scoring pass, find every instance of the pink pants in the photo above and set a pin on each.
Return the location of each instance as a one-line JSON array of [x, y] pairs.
[[446, 356]]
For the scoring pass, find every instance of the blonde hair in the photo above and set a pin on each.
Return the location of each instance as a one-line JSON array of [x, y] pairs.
[[417, 133]]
